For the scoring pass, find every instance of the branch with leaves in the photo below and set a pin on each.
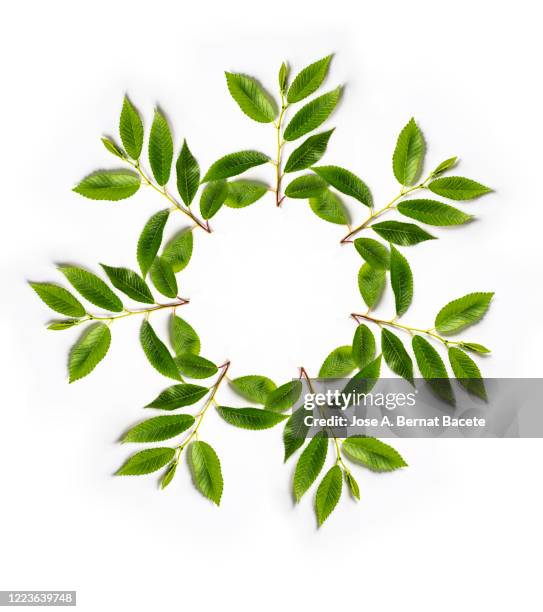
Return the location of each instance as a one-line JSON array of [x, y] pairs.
[[204, 463], [94, 343], [260, 106], [407, 162], [203, 460], [360, 362], [114, 185], [451, 319], [370, 452]]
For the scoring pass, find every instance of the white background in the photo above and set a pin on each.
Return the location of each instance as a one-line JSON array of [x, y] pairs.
[[271, 290]]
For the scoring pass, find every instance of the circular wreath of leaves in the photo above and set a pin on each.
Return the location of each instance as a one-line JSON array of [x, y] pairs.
[[320, 186]]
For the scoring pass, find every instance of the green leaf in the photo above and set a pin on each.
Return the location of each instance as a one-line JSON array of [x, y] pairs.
[[160, 148], [88, 351], [338, 364], [131, 129], [163, 277], [375, 253], [234, 164], [401, 279], [403, 234], [206, 470], [475, 347], [63, 324], [168, 476], [159, 428], [433, 212], [373, 453], [178, 396], [396, 356], [92, 288], [295, 431], [346, 182], [178, 250], [430, 363], [283, 77], [250, 418], [309, 152], [256, 103], [212, 198], [306, 186], [195, 366], [242, 193], [371, 283], [365, 380], [310, 464], [253, 387], [59, 299], [328, 206], [363, 347], [328, 494], [110, 185], [432, 368], [188, 174], [445, 165], [183, 337], [157, 353], [130, 283], [150, 240], [308, 80], [284, 397], [112, 147], [458, 188], [146, 462], [462, 312], [353, 485], [467, 372], [408, 155], [313, 114]]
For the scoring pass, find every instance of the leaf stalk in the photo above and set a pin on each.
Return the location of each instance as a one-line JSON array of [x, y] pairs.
[[140, 311], [201, 414], [377, 213], [278, 159], [408, 328], [164, 192], [339, 461]]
